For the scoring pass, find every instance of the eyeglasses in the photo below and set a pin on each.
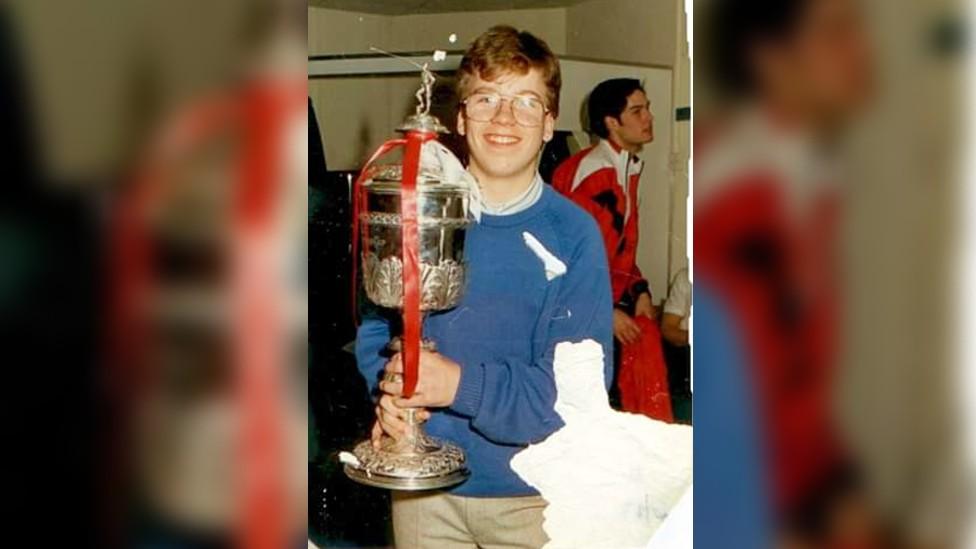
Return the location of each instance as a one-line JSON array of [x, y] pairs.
[[484, 107]]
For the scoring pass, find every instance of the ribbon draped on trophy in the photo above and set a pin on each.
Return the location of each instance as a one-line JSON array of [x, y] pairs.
[[409, 225]]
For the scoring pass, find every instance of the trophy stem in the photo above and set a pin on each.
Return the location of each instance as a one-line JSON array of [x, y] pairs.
[[415, 461], [413, 439]]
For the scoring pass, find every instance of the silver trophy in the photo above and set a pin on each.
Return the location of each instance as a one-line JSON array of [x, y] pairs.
[[417, 461]]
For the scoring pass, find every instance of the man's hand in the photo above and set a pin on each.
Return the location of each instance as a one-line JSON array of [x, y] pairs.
[[671, 330], [391, 419], [438, 383], [624, 328], [644, 306]]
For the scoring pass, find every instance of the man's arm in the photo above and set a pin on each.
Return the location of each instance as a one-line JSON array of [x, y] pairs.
[[671, 330], [676, 308], [371, 338], [637, 293], [593, 195], [513, 402], [603, 218]]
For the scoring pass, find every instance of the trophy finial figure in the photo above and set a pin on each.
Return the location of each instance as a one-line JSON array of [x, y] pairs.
[[427, 80]]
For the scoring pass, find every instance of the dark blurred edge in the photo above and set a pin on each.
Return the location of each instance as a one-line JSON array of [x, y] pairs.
[[341, 513], [50, 306]]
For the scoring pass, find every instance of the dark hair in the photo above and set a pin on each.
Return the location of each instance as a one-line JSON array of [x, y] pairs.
[[735, 27], [503, 49], [609, 98]]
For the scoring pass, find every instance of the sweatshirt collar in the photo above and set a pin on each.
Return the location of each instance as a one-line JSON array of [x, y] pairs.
[[520, 203]]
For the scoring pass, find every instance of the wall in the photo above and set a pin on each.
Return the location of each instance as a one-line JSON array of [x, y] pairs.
[[430, 31], [333, 32], [97, 89], [634, 31], [680, 251]]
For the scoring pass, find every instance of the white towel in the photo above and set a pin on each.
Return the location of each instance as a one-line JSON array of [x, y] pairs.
[[435, 154], [610, 478]]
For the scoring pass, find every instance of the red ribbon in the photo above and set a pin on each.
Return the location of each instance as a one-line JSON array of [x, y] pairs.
[[411, 261], [409, 245]]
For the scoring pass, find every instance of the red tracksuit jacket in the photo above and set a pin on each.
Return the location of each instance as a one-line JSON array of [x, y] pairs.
[[603, 180]]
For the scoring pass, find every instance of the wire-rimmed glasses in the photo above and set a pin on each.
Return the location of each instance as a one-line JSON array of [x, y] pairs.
[[527, 110]]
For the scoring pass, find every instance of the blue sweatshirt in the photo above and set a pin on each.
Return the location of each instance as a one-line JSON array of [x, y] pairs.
[[504, 332]]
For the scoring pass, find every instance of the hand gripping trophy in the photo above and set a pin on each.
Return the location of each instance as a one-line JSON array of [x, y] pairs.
[[410, 223]]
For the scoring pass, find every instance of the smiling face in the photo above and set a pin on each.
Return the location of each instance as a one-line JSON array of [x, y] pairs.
[[635, 125], [503, 151]]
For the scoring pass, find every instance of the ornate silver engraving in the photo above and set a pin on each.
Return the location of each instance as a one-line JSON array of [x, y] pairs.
[[415, 462], [393, 220], [441, 285], [429, 458]]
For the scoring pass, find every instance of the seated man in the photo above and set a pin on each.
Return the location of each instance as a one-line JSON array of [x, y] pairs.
[[603, 180], [491, 388], [677, 310], [677, 352]]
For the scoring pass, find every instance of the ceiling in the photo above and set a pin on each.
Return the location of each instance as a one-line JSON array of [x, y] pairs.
[[403, 7]]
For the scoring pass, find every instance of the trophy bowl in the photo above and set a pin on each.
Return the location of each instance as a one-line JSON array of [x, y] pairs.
[[442, 219]]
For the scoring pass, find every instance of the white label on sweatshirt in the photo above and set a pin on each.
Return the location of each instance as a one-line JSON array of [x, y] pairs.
[[553, 266]]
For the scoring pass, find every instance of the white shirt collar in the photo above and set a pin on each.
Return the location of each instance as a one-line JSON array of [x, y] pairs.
[[520, 203]]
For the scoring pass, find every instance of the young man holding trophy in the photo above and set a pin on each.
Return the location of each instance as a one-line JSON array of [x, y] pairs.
[[536, 276]]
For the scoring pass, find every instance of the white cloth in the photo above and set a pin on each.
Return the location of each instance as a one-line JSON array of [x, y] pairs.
[[434, 155], [679, 298], [610, 478], [677, 529]]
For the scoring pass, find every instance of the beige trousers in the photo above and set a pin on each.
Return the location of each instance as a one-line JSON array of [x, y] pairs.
[[435, 520]]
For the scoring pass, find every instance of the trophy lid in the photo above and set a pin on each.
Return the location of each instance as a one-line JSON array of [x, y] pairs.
[[422, 122], [433, 175], [388, 178]]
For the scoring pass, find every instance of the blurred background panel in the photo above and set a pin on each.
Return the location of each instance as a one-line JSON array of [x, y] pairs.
[[858, 103], [156, 205]]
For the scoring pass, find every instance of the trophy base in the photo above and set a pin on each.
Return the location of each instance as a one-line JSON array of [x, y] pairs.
[[405, 483], [417, 462]]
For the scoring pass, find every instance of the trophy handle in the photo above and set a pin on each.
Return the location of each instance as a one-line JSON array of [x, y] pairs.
[[357, 205]]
